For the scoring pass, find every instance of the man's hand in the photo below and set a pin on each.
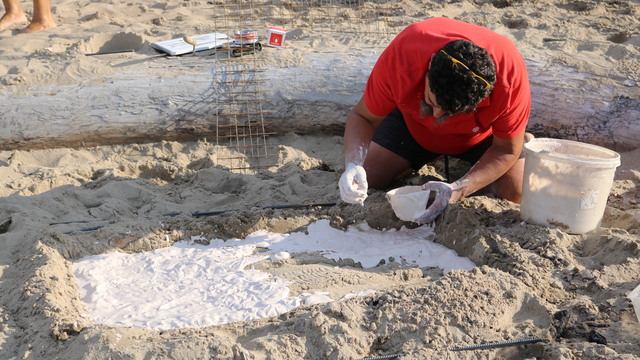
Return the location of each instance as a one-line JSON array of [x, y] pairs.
[[443, 193], [353, 184]]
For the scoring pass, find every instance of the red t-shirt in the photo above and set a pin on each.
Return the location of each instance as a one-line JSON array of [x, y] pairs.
[[398, 80]]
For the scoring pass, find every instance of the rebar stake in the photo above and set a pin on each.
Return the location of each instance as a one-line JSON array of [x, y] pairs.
[[497, 344], [383, 357]]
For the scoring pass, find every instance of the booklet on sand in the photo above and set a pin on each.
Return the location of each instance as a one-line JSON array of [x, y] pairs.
[[203, 42]]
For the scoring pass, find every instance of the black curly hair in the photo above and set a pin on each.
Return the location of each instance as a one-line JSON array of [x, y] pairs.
[[460, 87]]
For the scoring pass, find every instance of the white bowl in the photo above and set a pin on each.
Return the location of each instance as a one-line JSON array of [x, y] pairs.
[[408, 202]]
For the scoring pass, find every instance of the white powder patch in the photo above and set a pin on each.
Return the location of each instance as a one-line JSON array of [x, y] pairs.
[[191, 285]]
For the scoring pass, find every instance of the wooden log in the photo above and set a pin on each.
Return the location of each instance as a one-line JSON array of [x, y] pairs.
[[183, 98], [568, 104]]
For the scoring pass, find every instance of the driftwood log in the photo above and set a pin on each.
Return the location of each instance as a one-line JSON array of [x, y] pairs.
[[182, 99]]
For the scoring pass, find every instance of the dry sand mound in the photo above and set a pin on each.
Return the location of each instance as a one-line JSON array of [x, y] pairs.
[[532, 281]]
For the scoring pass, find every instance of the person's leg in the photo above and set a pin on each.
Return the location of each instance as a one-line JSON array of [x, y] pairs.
[[383, 166], [393, 153], [509, 185], [13, 14], [42, 17]]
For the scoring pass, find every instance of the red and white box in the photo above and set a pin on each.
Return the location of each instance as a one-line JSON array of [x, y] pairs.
[[275, 37]]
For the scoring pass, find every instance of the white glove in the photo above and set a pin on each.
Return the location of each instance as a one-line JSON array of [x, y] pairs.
[[443, 193], [353, 184]]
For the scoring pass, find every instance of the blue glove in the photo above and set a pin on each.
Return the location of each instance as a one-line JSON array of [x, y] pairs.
[[443, 192]]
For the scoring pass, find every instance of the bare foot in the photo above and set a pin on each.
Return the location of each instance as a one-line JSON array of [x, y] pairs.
[[11, 19], [38, 26]]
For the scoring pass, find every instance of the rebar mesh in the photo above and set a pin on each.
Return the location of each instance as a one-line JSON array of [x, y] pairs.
[[241, 120]]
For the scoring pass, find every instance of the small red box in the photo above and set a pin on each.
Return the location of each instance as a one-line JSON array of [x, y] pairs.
[[275, 37]]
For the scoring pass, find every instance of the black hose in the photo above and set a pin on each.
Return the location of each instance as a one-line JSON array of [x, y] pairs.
[[197, 214]]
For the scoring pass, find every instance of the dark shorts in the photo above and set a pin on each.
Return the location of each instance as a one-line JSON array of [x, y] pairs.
[[393, 135]]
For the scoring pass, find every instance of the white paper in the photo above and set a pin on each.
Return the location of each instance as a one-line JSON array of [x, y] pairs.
[[203, 42]]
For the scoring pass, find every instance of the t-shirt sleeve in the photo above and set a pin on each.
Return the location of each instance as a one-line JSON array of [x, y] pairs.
[[378, 95], [516, 117]]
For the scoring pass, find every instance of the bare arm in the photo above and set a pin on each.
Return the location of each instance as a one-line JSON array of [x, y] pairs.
[[361, 125], [495, 162]]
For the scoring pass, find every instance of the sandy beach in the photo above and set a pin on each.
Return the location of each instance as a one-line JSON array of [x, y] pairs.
[[61, 204]]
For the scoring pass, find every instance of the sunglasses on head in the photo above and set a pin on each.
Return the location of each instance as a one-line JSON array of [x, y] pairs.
[[456, 61]]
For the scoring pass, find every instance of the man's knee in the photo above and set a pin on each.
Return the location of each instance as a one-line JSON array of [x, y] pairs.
[[509, 185], [383, 167]]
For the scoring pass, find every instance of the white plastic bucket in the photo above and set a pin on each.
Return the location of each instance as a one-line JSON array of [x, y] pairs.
[[566, 183], [634, 296]]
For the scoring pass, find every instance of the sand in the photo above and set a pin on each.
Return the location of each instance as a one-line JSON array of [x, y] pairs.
[[531, 281]]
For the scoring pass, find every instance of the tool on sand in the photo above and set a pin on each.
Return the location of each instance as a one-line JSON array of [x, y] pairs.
[[108, 52], [191, 41], [384, 357]]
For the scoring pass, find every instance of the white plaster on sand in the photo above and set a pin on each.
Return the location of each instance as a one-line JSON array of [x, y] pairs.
[[191, 285]]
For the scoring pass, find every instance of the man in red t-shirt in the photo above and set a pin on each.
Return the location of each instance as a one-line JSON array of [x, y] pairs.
[[442, 87]]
